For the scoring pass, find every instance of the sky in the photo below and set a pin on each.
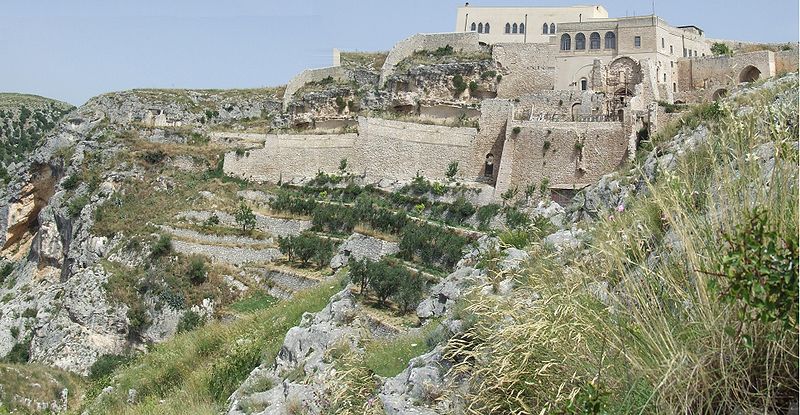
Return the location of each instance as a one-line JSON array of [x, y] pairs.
[[75, 49]]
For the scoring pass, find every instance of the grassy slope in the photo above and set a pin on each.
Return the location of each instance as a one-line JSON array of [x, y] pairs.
[[36, 382], [662, 342], [195, 372]]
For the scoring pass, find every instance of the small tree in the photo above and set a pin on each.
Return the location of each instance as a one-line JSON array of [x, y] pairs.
[[452, 170], [409, 293], [387, 279], [359, 273], [509, 194], [245, 218], [286, 246], [342, 165], [161, 247], [530, 190], [721, 49]]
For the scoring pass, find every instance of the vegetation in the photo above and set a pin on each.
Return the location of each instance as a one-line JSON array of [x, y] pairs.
[[388, 278], [307, 248], [701, 293], [196, 371], [245, 218], [721, 49]]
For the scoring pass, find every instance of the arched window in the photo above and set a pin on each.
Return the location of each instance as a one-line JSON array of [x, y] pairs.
[[580, 41], [522, 27], [486, 28], [594, 41], [480, 27], [508, 27], [566, 42], [611, 40], [584, 84], [514, 28], [474, 27], [552, 28], [544, 29]]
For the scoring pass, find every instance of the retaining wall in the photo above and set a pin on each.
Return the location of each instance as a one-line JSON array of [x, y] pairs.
[[465, 42]]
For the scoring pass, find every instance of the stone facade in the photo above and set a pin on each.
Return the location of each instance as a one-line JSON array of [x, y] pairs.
[[524, 68]]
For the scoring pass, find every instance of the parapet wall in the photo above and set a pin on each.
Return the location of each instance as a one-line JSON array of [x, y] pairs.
[[465, 42], [526, 67], [382, 149], [286, 157], [786, 61], [562, 105], [338, 73], [398, 150]]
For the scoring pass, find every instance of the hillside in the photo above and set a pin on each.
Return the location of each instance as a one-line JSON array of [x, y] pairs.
[[613, 305], [354, 243], [24, 121]]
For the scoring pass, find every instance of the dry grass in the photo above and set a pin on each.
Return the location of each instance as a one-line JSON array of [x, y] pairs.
[[658, 340]]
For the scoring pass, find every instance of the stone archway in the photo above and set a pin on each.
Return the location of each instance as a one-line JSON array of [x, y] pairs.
[[719, 94], [624, 74], [749, 74]]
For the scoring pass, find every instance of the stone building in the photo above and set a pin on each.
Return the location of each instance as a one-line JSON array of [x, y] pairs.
[[557, 96], [521, 24]]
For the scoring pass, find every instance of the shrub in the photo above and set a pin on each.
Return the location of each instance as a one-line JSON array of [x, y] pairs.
[[473, 86], [759, 271], [307, 247], [433, 245], [443, 51], [459, 84], [105, 365], [20, 352], [333, 218], [488, 75], [452, 170], [359, 273], [340, 104], [212, 220], [516, 219], [486, 213], [7, 269], [545, 146], [154, 156], [342, 165], [245, 218], [509, 194], [161, 247], [197, 272], [71, 182], [499, 77], [460, 210], [190, 321], [137, 318], [387, 278], [721, 49], [76, 205], [516, 130]]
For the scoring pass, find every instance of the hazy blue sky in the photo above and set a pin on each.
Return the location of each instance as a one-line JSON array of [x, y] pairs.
[[75, 49]]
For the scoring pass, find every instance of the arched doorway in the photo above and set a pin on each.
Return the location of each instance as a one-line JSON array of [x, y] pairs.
[[749, 74], [719, 94], [488, 166]]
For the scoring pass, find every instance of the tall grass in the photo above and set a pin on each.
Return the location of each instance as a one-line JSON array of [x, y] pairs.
[[195, 372], [632, 326]]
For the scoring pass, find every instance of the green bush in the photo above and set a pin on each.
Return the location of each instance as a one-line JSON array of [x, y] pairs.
[[154, 156], [7, 269], [307, 247], [721, 49], [71, 182], [473, 86], [105, 365], [486, 213], [516, 219], [76, 205], [161, 247], [197, 272], [759, 271], [333, 218], [443, 51], [459, 84], [190, 321], [432, 245], [20, 352], [452, 170], [410, 292]]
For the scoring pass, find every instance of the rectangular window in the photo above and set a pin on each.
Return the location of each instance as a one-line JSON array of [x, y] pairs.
[[684, 52], [671, 64], [637, 41], [670, 50], [674, 87], [662, 43], [695, 54]]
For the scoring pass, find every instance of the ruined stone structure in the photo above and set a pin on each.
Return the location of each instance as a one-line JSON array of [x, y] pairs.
[[557, 100]]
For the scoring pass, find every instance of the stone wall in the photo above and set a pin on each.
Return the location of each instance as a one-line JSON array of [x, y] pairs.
[[397, 150], [548, 150], [526, 67], [564, 105], [465, 42], [786, 61], [338, 73], [716, 73], [286, 157]]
